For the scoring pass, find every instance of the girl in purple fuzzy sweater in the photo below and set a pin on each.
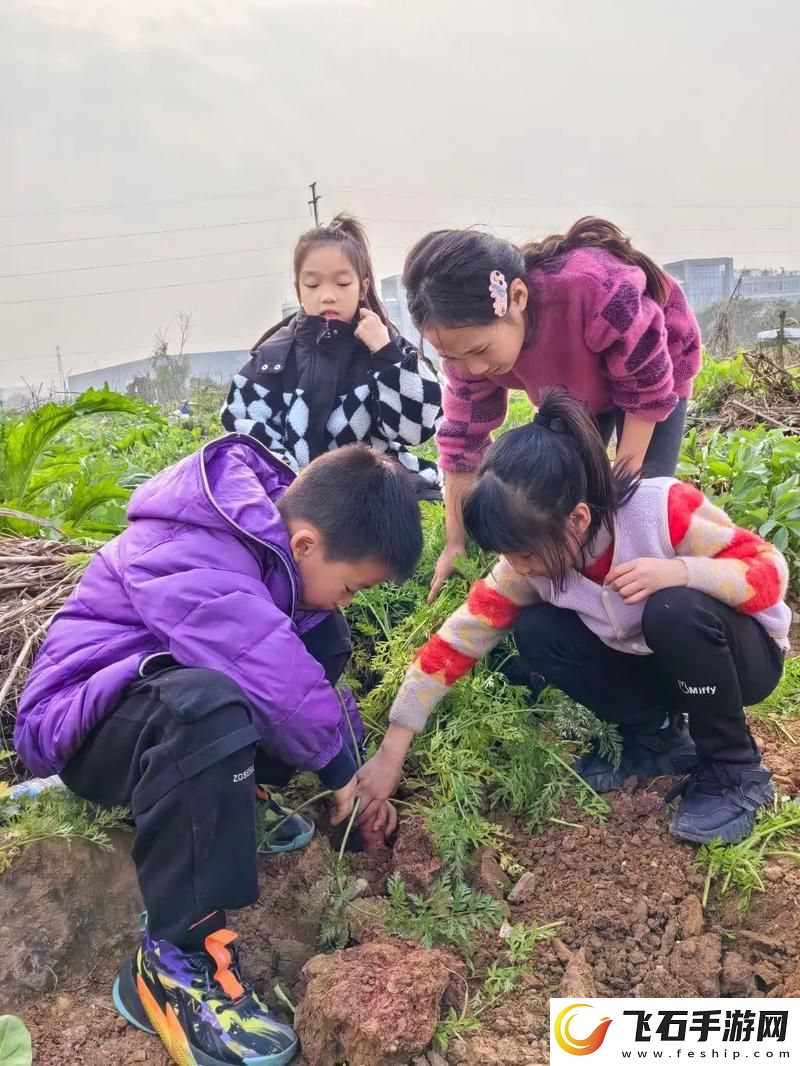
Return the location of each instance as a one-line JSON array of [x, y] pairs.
[[585, 311]]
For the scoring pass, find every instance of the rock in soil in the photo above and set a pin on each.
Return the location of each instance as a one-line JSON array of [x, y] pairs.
[[578, 980], [63, 908], [376, 1004], [414, 857], [524, 888], [737, 976], [488, 876]]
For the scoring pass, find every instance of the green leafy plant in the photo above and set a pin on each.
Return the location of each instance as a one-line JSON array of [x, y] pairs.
[[753, 475], [15, 1042], [451, 914], [739, 866], [784, 703], [502, 978], [717, 381], [53, 815]]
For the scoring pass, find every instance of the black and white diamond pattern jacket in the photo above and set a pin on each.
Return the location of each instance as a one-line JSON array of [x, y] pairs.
[[312, 386]]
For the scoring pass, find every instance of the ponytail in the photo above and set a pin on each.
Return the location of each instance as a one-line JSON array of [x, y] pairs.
[[589, 232], [347, 232], [533, 478]]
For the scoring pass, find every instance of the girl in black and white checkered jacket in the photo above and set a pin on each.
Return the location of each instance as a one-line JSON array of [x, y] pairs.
[[337, 372]]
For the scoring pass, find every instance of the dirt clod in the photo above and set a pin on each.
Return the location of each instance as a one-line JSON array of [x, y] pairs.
[[578, 980], [690, 917], [414, 857], [374, 1005], [737, 976]]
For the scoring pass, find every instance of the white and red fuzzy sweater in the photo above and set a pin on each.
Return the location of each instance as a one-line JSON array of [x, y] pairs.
[[664, 519]]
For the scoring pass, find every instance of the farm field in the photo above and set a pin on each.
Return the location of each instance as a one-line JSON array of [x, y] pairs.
[[508, 881]]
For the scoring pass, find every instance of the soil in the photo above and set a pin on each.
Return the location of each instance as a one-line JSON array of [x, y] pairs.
[[626, 895]]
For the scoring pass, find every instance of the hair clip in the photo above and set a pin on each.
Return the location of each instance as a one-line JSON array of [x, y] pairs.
[[498, 290]]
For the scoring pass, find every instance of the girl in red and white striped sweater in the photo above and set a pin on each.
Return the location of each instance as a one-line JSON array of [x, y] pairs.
[[639, 599]]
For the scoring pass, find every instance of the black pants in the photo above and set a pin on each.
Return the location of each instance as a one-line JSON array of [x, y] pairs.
[[180, 748], [708, 662], [664, 449]]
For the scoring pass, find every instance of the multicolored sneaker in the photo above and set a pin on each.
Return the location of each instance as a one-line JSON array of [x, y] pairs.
[[278, 829], [200, 1005]]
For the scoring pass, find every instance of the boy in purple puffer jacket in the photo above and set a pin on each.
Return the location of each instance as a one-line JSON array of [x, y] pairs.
[[197, 656]]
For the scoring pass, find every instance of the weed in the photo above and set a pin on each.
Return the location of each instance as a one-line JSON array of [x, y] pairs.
[[451, 914], [784, 703], [53, 815], [776, 833], [502, 977]]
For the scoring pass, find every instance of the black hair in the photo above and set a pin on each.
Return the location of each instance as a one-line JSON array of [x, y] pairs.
[[533, 477], [347, 232], [446, 274], [364, 505]]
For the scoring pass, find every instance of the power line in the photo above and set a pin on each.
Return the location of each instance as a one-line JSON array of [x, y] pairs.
[[151, 203], [146, 262], [154, 232], [566, 203], [144, 288]]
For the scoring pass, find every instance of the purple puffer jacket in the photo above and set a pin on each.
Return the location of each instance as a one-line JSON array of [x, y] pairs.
[[203, 572]]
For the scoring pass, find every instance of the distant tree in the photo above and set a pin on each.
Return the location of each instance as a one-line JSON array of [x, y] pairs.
[[746, 319], [170, 372], [144, 387]]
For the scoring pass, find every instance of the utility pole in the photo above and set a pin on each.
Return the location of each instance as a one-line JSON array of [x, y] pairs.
[[62, 384], [314, 201], [779, 340]]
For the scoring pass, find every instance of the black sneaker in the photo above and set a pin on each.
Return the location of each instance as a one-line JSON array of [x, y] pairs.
[[720, 801], [200, 1006], [668, 752]]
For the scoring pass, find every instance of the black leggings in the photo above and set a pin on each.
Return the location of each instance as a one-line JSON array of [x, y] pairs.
[[181, 750], [707, 662], [664, 449]]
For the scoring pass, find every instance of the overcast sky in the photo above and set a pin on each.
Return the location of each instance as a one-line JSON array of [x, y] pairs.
[[677, 120]]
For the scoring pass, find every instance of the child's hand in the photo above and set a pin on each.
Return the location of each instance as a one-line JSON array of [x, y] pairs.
[[343, 800], [640, 578], [378, 819], [371, 331], [378, 778]]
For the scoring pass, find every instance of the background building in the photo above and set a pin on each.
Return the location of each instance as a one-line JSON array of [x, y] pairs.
[[218, 367], [771, 285], [705, 281], [289, 307]]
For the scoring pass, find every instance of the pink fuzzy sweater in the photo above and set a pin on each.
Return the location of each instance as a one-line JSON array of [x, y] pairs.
[[594, 332]]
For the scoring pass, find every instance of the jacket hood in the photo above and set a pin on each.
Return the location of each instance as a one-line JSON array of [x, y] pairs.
[[231, 482]]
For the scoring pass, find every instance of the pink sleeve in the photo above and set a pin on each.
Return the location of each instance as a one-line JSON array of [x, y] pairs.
[[626, 328], [473, 407]]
